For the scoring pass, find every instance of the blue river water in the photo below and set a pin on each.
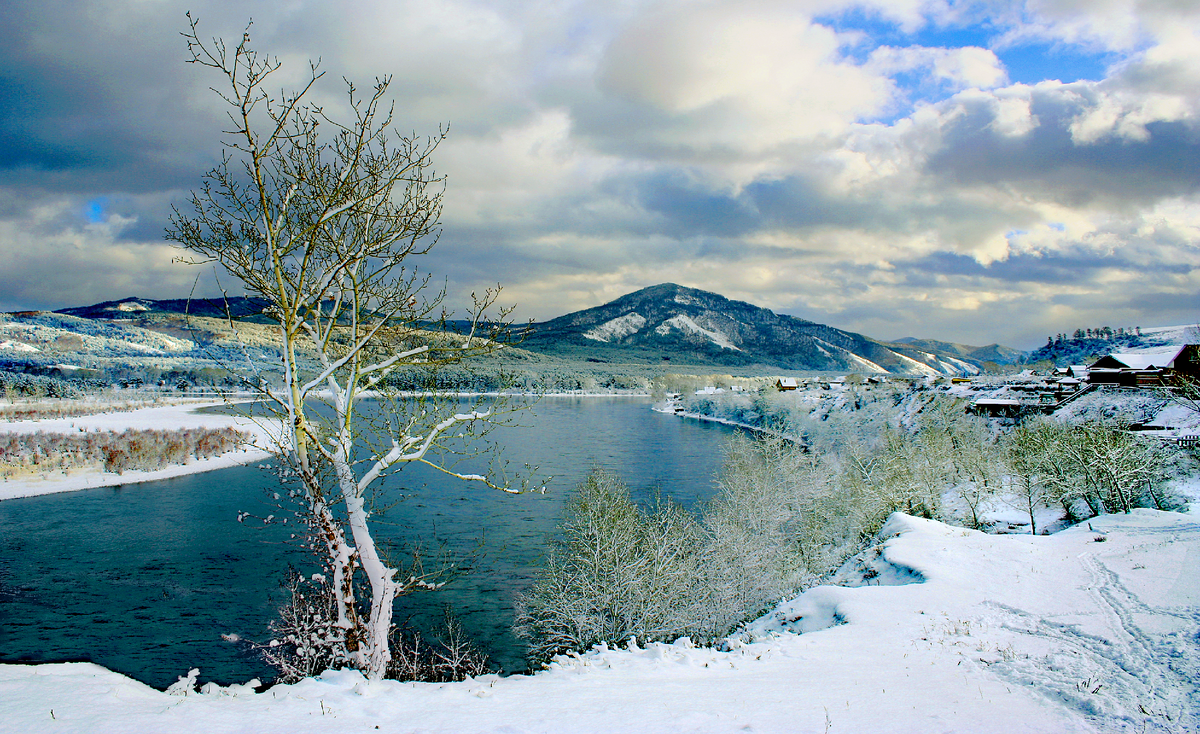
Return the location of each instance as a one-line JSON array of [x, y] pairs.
[[153, 579]]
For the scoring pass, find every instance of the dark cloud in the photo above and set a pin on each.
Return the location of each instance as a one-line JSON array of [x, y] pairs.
[[1049, 162], [1186, 304], [692, 209], [1059, 267]]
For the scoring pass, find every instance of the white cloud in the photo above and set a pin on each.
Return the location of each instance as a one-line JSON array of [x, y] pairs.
[[959, 68], [600, 147], [738, 77]]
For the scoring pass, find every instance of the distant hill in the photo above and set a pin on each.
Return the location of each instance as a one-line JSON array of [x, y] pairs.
[[997, 353], [665, 324], [669, 322], [240, 307]]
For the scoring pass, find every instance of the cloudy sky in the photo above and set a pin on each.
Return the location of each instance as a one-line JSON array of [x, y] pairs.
[[967, 171]]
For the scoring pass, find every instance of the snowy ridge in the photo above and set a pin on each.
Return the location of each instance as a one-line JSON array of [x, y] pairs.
[[15, 346], [1182, 334], [952, 364], [918, 366], [854, 358], [865, 363], [622, 326], [684, 323], [118, 339], [664, 321]]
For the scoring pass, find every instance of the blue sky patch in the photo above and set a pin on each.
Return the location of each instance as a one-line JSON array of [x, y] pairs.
[[94, 210], [1027, 63]]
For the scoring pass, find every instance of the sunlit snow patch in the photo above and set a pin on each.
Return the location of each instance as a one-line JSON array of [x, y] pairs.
[[683, 323], [617, 328], [862, 362]]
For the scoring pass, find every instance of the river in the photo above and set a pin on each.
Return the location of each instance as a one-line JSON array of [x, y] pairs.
[[153, 579]]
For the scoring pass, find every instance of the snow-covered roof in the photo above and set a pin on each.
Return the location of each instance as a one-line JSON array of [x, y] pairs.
[[1144, 361]]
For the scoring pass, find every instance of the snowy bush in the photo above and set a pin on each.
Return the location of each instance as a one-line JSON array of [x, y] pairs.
[[1100, 464], [19, 384], [768, 529], [305, 630], [777, 525], [614, 572]]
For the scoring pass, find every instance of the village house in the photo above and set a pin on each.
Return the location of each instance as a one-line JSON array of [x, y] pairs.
[[1149, 369]]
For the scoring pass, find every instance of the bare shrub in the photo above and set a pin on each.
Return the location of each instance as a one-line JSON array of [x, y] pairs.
[[777, 525], [307, 638], [451, 656], [614, 572], [115, 452]]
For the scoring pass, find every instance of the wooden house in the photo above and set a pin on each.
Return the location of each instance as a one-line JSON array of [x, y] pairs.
[[1149, 369]]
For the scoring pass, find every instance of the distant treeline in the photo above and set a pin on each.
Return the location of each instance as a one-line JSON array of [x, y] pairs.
[[1085, 345], [472, 378]]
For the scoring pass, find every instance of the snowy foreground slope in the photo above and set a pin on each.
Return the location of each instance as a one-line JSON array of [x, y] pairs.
[[965, 632]]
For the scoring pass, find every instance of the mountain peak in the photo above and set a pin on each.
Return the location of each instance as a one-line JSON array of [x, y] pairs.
[[670, 322]]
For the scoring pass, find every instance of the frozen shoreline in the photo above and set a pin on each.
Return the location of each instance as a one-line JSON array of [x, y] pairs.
[[170, 417], [936, 629]]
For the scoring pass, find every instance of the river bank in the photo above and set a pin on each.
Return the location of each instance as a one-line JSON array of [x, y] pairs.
[[166, 417]]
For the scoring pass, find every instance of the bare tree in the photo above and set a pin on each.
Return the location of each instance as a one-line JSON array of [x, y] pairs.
[[1025, 454], [322, 218]]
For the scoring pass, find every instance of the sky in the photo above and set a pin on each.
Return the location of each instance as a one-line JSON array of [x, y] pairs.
[[974, 172]]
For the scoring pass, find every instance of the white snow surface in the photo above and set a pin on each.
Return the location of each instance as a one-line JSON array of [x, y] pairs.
[[15, 346], [169, 418], [938, 629], [621, 326], [685, 323], [1181, 334]]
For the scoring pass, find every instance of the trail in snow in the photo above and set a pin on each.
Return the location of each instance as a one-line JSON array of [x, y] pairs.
[[1131, 678]]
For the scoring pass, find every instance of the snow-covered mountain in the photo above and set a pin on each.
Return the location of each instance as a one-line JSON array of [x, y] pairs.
[[670, 322], [997, 353]]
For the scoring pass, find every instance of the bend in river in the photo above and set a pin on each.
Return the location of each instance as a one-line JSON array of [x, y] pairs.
[[146, 579]]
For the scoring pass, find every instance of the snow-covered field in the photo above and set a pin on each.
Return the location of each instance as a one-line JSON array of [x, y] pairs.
[[1093, 629], [170, 417]]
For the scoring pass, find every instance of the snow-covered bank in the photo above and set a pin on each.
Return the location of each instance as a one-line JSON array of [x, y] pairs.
[[1093, 629], [170, 417], [670, 409]]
